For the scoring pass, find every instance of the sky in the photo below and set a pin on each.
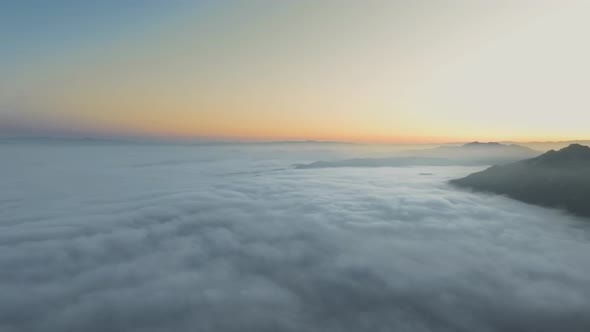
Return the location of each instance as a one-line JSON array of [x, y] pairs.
[[369, 71]]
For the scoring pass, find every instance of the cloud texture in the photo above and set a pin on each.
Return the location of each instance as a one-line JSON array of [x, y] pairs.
[[115, 238]]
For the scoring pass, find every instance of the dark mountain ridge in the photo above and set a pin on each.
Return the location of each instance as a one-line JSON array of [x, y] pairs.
[[559, 179], [575, 155]]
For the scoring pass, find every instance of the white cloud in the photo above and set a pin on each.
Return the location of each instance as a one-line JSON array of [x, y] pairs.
[[91, 243]]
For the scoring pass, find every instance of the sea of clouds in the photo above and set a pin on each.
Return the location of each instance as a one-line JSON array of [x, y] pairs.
[[114, 237]]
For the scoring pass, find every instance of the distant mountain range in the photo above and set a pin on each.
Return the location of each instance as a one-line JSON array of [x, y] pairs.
[[470, 154], [491, 153], [548, 145], [64, 140], [558, 179]]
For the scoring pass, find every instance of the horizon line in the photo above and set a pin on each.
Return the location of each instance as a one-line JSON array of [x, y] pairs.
[[242, 140]]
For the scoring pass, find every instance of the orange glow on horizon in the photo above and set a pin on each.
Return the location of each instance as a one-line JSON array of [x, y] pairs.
[[396, 73]]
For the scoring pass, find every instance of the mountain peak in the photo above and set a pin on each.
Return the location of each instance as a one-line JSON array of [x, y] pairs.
[[573, 155], [480, 144], [576, 148]]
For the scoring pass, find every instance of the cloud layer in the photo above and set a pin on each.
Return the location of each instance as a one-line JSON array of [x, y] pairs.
[[190, 241]]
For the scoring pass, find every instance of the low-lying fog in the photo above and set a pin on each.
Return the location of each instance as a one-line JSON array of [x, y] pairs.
[[106, 237]]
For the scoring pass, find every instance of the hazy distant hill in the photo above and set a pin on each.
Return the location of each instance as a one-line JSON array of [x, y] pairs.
[[469, 154], [555, 179], [546, 146], [491, 153]]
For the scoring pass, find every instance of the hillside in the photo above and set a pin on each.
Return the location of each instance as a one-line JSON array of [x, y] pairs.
[[559, 179]]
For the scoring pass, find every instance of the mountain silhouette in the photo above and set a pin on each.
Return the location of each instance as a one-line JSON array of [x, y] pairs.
[[491, 153], [470, 154], [559, 179]]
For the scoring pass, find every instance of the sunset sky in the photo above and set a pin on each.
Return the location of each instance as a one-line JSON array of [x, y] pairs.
[[370, 71]]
